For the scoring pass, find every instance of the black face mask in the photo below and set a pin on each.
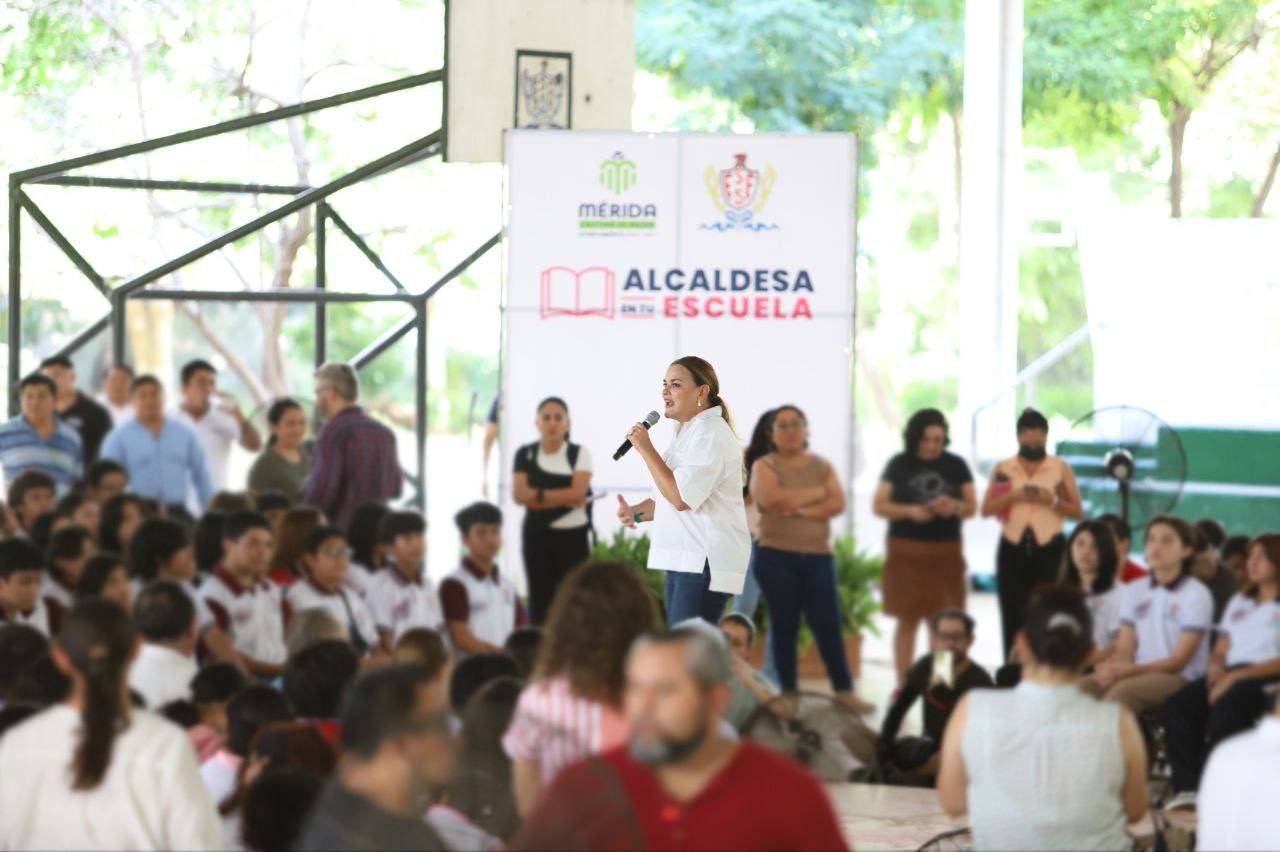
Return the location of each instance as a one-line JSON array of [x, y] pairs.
[[1032, 453]]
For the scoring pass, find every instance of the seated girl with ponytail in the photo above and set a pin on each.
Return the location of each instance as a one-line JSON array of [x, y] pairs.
[[1043, 765], [93, 773]]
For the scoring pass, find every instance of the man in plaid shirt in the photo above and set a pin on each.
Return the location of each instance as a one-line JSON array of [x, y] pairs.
[[355, 455]]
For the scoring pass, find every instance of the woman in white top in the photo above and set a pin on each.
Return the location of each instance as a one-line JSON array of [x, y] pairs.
[[1233, 695], [1044, 766], [1164, 625], [700, 535], [92, 773], [552, 480], [1090, 567], [1031, 493], [1237, 807]]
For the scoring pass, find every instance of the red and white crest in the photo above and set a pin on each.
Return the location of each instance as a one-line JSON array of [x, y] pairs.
[[739, 184]]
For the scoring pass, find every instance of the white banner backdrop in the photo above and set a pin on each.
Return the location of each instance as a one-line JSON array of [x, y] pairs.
[[1183, 318], [628, 250]]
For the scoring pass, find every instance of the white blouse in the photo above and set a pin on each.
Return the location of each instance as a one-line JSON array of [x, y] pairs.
[[1105, 609], [151, 797], [1159, 616], [707, 462], [1254, 630]]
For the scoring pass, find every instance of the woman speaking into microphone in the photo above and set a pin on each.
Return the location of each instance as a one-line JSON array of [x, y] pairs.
[[700, 533]]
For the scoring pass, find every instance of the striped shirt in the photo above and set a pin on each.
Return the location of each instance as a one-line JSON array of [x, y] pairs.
[[553, 727], [61, 455], [355, 462]]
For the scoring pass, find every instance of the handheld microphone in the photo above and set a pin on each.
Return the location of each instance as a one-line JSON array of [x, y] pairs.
[[649, 419]]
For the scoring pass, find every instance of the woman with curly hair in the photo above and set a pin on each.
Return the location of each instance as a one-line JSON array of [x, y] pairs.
[[572, 707]]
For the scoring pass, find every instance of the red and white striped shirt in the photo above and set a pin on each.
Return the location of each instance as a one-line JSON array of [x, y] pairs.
[[553, 727]]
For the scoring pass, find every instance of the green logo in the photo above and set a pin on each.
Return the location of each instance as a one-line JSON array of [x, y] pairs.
[[618, 174]]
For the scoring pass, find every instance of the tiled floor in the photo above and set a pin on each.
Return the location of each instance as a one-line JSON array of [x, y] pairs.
[[875, 817], [881, 818]]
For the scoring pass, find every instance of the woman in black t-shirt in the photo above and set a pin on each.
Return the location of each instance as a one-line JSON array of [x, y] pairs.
[[924, 493], [552, 480]]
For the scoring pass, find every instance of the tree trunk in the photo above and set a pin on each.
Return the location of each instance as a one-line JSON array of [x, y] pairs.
[[1260, 197], [1177, 135]]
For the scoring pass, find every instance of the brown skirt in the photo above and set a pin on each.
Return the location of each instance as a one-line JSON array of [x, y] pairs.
[[922, 577]]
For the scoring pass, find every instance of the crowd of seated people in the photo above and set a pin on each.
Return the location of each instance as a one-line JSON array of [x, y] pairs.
[[219, 669], [186, 666]]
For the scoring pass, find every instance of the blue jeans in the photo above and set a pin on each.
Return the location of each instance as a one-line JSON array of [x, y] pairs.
[[745, 604], [796, 584], [749, 598], [689, 595]]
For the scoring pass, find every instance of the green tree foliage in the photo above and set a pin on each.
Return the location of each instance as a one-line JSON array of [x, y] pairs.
[[787, 64]]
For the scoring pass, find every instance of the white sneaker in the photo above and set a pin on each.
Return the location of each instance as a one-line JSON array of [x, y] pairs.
[[1184, 801]]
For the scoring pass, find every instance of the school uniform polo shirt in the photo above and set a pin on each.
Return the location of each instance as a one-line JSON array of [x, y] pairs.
[[346, 606], [1160, 615], [488, 603], [247, 616], [37, 617], [398, 604], [1254, 630], [58, 600], [204, 615]]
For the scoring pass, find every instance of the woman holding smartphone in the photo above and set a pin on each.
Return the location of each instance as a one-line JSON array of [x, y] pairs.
[[1031, 493]]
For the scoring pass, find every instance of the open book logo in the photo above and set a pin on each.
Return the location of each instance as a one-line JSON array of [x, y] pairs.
[[588, 292]]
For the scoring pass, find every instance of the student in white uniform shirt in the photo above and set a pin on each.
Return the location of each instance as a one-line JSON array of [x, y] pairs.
[[1237, 806], [161, 549], [243, 604], [324, 559], [70, 549], [166, 619], [216, 426], [401, 596], [21, 576], [1164, 625], [480, 606], [1245, 662], [367, 552], [92, 773], [1090, 566]]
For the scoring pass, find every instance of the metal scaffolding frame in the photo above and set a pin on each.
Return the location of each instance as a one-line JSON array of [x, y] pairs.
[[300, 197]]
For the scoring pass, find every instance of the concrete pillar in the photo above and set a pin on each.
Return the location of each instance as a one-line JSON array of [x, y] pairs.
[[990, 225]]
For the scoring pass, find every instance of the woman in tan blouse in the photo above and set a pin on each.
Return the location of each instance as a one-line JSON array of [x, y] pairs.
[[798, 493], [1031, 493]]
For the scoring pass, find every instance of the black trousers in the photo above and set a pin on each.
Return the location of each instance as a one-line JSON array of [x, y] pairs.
[[1021, 569], [549, 555], [1193, 727]]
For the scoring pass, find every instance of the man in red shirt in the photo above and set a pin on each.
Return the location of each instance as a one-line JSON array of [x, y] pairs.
[[681, 783]]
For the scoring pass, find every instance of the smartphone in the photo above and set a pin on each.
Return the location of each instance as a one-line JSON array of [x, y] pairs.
[[943, 668]]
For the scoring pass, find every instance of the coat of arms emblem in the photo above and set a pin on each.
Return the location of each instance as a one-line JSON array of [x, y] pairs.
[[739, 192], [543, 90]]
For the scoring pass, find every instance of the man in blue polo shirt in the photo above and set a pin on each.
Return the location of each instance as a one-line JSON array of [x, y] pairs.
[[37, 440], [161, 455]]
